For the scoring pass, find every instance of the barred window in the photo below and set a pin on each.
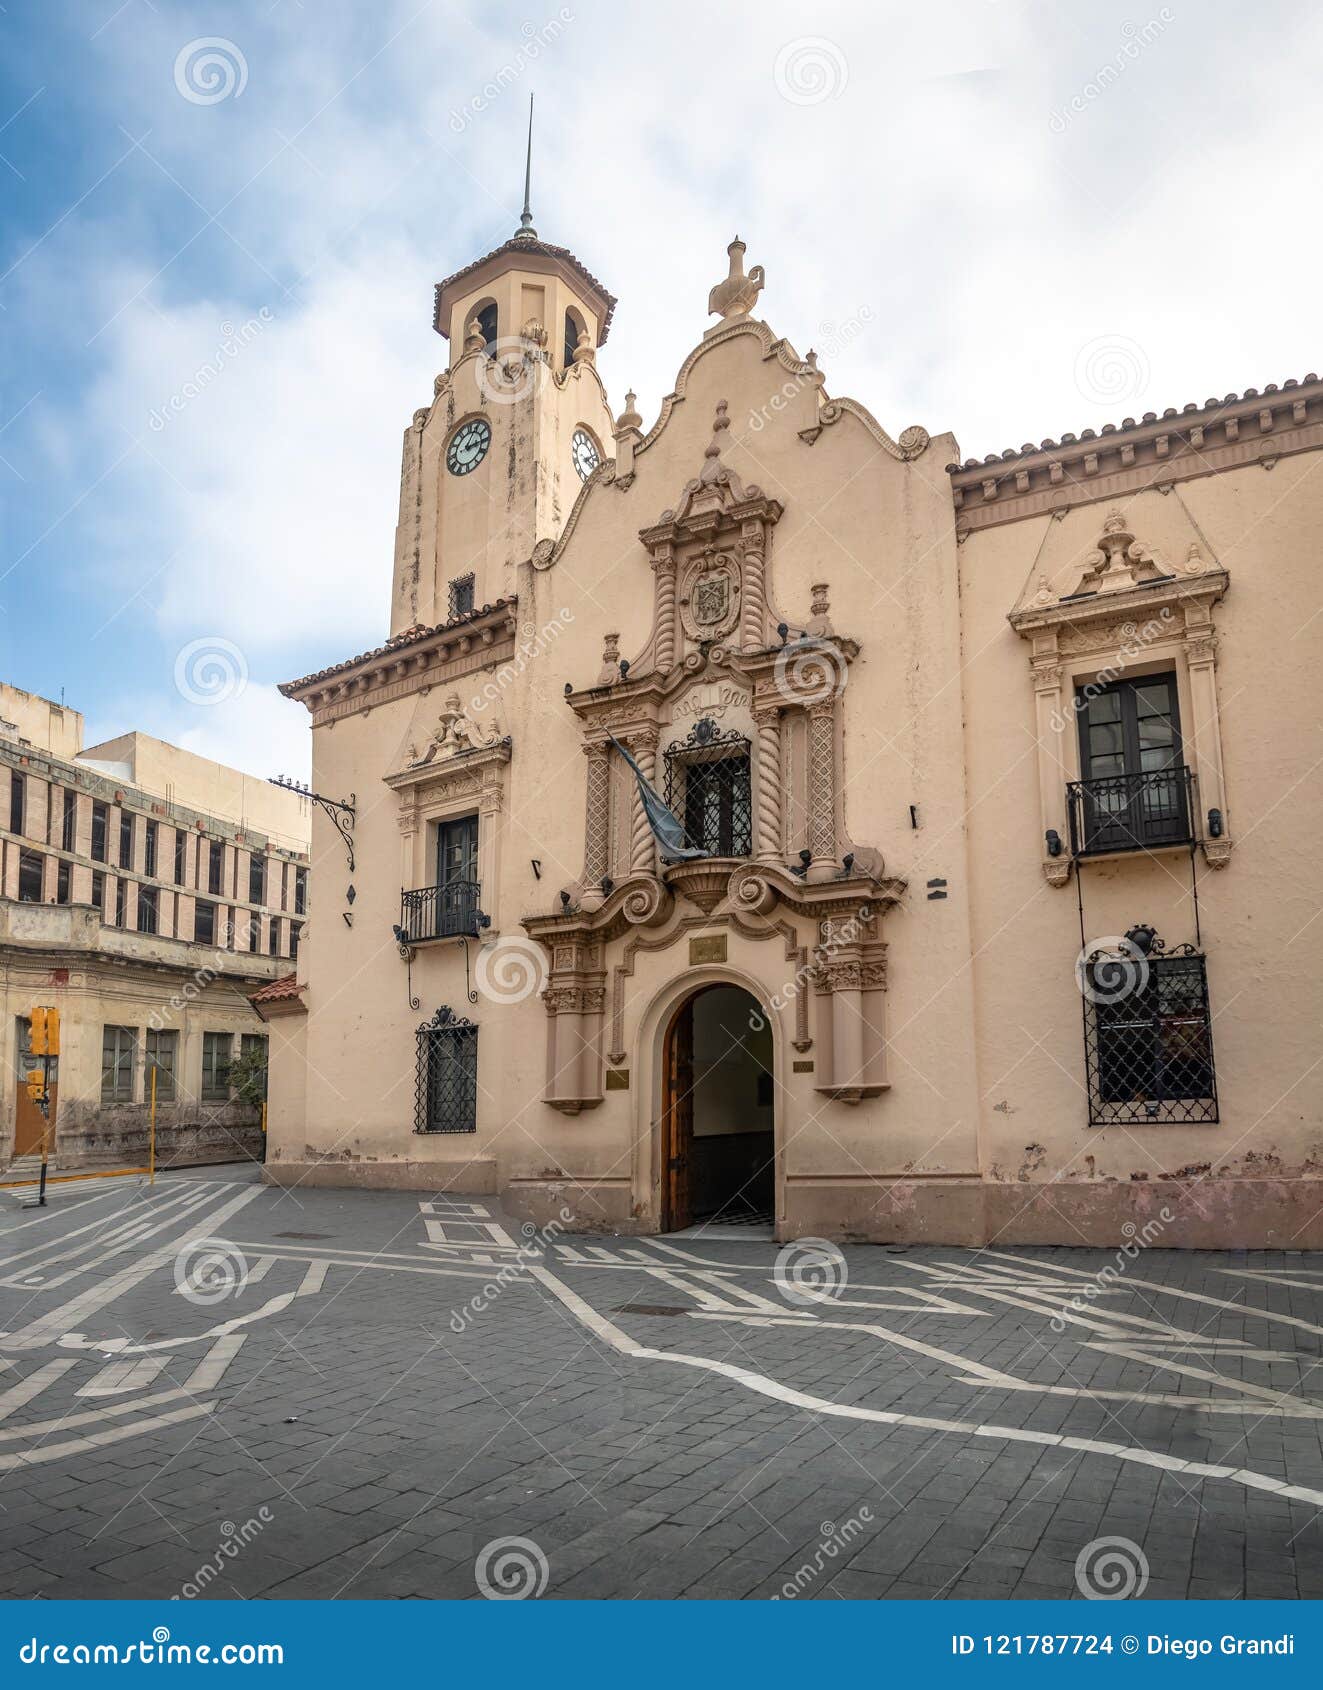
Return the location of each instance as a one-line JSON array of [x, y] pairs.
[[461, 595], [1148, 1034], [708, 788], [446, 1091]]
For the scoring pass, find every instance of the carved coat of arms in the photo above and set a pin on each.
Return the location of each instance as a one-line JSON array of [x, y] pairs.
[[711, 598]]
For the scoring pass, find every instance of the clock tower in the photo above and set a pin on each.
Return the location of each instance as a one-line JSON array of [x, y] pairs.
[[518, 421]]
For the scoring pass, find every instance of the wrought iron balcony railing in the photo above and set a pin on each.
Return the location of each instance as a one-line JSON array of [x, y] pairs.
[[440, 912], [1131, 812]]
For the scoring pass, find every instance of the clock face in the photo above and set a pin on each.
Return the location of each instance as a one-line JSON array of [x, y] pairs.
[[468, 446], [583, 449]]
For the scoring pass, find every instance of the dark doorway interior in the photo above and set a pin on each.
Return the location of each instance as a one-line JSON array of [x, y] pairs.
[[718, 1119]]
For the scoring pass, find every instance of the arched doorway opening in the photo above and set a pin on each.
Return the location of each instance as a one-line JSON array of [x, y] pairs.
[[718, 1108]]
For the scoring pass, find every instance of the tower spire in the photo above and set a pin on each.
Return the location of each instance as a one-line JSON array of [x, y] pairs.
[[526, 217]]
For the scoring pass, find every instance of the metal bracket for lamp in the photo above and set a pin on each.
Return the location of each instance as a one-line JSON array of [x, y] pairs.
[[482, 922], [340, 810], [407, 952]]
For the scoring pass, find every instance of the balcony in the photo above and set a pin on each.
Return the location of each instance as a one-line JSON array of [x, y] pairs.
[[440, 912], [1139, 812]]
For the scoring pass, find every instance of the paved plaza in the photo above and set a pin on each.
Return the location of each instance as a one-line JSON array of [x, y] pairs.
[[216, 1388]]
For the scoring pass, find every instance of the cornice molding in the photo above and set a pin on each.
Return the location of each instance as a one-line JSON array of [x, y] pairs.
[[1235, 433]]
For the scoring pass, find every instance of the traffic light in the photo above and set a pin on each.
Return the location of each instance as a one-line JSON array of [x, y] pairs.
[[45, 1031], [36, 1083]]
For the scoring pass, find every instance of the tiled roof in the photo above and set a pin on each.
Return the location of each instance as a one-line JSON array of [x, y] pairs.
[[1150, 417], [275, 990], [400, 642], [544, 249]]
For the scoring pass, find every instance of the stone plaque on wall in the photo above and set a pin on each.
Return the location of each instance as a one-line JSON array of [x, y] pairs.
[[708, 947]]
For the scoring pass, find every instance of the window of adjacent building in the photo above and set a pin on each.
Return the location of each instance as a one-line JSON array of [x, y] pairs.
[[461, 595], [181, 846], [300, 891], [16, 794], [295, 930], [62, 881], [52, 812], [162, 1053], [708, 788], [30, 867], [121, 900], [149, 848], [117, 1053], [125, 839], [284, 886], [216, 1067], [273, 938], [98, 833], [252, 1045], [216, 867], [99, 892], [69, 823], [204, 923], [147, 909], [447, 1080], [256, 880], [1134, 789]]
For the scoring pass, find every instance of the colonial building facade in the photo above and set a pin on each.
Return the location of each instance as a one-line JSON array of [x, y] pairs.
[[993, 778], [145, 893]]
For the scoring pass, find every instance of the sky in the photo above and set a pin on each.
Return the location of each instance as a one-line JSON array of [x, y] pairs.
[[220, 225]]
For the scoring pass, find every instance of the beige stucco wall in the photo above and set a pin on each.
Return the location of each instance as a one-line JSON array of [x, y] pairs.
[[41, 721], [1254, 914]]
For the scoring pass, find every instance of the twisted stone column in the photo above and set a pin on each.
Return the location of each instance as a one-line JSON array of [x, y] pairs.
[[822, 787], [753, 633], [768, 724], [642, 846], [667, 609]]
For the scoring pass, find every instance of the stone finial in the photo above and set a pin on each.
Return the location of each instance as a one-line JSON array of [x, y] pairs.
[[735, 297], [629, 417], [584, 352], [711, 470], [1195, 563], [610, 670], [474, 339], [819, 612]]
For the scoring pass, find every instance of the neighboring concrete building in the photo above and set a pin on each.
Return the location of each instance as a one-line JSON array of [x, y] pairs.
[[145, 891], [994, 929]]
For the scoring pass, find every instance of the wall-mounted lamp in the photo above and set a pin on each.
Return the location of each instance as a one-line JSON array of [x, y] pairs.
[[607, 884], [1215, 824], [783, 629], [624, 668], [565, 900], [1053, 842], [805, 858]]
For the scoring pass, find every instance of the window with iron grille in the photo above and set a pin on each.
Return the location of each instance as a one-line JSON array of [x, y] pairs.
[[461, 595], [117, 1054], [216, 1067], [446, 1086], [1148, 1033], [708, 788], [162, 1053]]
